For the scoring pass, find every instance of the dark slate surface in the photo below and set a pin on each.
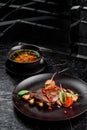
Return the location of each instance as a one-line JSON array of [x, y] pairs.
[[11, 119]]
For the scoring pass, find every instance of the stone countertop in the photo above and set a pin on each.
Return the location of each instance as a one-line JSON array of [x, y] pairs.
[[11, 119]]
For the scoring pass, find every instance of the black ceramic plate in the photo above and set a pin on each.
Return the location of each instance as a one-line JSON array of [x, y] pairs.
[[57, 114], [25, 72]]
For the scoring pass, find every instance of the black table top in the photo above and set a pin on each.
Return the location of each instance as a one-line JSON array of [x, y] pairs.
[[10, 118]]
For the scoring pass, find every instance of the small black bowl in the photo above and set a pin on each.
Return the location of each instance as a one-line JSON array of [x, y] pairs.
[[25, 68]]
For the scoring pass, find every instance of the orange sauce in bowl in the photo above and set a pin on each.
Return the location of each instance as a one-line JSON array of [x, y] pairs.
[[25, 56]]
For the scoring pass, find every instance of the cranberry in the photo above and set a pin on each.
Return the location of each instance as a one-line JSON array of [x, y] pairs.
[[65, 112], [70, 107]]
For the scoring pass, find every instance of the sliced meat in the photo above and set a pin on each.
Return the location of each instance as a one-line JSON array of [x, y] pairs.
[[47, 96], [40, 96]]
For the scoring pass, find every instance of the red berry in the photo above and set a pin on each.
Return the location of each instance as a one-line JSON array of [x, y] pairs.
[[65, 112], [70, 107]]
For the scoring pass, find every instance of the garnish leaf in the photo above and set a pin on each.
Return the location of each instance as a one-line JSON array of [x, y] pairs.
[[22, 92], [62, 96]]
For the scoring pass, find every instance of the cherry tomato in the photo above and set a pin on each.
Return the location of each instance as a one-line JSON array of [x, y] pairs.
[[68, 101]]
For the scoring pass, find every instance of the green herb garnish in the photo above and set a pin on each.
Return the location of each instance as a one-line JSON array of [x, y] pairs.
[[22, 92], [62, 96]]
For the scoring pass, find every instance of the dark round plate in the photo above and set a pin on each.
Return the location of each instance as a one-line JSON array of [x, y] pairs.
[[26, 72], [37, 81]]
